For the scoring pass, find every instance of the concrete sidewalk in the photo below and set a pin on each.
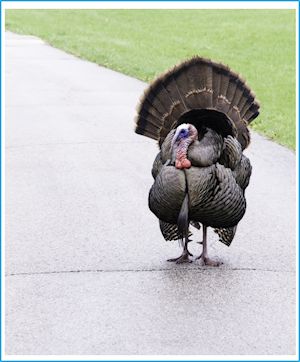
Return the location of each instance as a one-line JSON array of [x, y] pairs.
[[86, 269]]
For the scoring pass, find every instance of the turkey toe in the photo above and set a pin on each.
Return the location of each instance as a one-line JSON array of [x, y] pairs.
[[184, 258], [211, 262]]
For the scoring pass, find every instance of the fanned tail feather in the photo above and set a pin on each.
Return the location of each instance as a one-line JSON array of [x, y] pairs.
[[198, 91]]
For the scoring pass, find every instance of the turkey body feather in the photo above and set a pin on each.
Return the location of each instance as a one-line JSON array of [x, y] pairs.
[[216, 191], [199, 112]]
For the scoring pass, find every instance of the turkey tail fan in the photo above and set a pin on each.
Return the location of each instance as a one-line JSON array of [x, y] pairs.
[[198, 91]]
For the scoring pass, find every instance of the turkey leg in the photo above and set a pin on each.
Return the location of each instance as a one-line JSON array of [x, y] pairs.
[[204, 255], [184, 257]]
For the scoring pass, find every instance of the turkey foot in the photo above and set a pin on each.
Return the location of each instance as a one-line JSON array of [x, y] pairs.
[[211, 262], [208, 261], [183, 258], [204, 256]]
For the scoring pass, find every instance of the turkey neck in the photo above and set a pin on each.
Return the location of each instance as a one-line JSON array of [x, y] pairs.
[[181, 160]]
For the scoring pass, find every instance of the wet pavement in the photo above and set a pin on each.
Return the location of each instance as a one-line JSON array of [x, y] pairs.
[[86, 269]]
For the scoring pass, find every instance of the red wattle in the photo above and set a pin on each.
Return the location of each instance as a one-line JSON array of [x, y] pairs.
[[178, 164], [185, 163]]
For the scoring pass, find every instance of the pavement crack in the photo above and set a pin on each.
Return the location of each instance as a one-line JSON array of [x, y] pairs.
[[200, 268]]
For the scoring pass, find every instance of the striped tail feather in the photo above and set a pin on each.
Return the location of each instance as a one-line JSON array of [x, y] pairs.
[[226, 235], [170, 231], [198, 91]]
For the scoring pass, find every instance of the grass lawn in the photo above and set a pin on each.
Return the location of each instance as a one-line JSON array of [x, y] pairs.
[[259, 44]]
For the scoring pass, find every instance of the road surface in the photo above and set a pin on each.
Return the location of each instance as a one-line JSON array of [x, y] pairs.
[[86, 269]]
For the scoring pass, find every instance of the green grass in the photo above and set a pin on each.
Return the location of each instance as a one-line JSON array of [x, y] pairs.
[[259, 44]]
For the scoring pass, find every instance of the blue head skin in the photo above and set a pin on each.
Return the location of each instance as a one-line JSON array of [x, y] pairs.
[[185, 134], [181, 133]]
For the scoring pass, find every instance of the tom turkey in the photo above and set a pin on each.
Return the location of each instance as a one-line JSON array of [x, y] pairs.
[[199, 113]]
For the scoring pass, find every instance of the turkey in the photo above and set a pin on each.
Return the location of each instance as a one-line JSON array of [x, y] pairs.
[[199, 112]]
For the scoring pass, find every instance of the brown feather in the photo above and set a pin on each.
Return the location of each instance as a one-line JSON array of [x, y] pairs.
[[192, 86]]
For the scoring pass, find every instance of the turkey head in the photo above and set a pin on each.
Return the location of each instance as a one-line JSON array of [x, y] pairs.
[[184, 136]]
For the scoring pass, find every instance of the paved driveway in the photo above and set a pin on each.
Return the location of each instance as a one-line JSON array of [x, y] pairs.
[[86, 269]]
